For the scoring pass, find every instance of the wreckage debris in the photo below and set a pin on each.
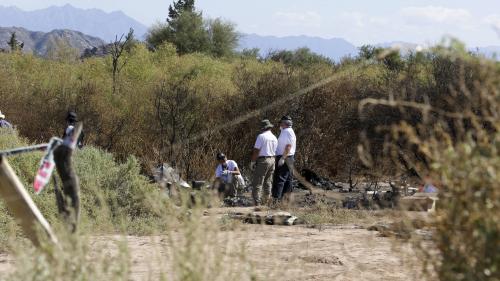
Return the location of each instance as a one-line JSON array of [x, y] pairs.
[[372, 200], [199, 185], [239, 201], [166, 175], [316, 180], [402, 229], [278, 218], [318, 199]]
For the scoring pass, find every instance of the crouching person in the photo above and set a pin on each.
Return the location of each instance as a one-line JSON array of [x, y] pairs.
[[227, 177]]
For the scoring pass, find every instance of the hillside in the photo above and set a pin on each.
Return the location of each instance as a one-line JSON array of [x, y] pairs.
[[89, 21], [39, 43]]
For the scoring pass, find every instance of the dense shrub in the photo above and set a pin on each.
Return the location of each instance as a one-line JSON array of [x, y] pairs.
[[180, 109]]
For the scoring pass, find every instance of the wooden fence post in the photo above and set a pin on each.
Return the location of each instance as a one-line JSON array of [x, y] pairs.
[[21, 205]]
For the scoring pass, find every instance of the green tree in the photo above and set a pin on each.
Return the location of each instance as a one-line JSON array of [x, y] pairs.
[[178, 7], [186, 31], [223, 37], [253, 53], [392, 60], [301, 57], [184, 28], [190, 32], [368, 52], [389, 57], [14, 44]]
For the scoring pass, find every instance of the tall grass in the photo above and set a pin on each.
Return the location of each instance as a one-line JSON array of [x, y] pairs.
[[73, 258]]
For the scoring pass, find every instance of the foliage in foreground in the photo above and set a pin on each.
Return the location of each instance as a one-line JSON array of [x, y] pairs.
[[457, 146]]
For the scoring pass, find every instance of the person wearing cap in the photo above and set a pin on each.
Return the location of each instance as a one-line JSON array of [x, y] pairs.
[[285, 158], [226, 176], [263, 160], [3, 122], [68, 198]]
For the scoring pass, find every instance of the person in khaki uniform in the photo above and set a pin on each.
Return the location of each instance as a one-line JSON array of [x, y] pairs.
[[263, 164]]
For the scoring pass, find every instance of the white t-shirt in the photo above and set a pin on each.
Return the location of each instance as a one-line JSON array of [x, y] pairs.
[[266, 143], [287, 136], [231, 165]]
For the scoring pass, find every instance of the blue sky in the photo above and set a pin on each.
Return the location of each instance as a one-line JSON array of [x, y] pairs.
[[358, 21]]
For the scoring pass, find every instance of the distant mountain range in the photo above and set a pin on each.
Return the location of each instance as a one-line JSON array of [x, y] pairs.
[[335, 48], [56, 22], [40, 43], [89, 21]]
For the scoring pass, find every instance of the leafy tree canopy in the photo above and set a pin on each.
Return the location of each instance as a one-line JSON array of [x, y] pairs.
[[190, 32], [301, 57]]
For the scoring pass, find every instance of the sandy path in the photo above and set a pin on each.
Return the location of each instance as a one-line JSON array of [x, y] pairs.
[[293, 253]]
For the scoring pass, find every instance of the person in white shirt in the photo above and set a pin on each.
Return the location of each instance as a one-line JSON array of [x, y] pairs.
[[285, 158], [226, 176], [263, 161]]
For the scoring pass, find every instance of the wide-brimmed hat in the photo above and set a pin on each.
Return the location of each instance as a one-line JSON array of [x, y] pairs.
[[1, 115], [266, 124]]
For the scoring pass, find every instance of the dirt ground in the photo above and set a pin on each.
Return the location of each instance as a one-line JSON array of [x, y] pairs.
[[342, 252], [299, 253]]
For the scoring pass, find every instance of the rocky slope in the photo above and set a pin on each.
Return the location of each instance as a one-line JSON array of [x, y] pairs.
[[40, 43], [94, 22]]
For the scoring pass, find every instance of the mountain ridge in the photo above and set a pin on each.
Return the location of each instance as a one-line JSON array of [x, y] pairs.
[[41, 43], [94, 22]]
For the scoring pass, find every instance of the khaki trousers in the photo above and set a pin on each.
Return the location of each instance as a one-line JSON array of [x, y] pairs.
[[262, 180]]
